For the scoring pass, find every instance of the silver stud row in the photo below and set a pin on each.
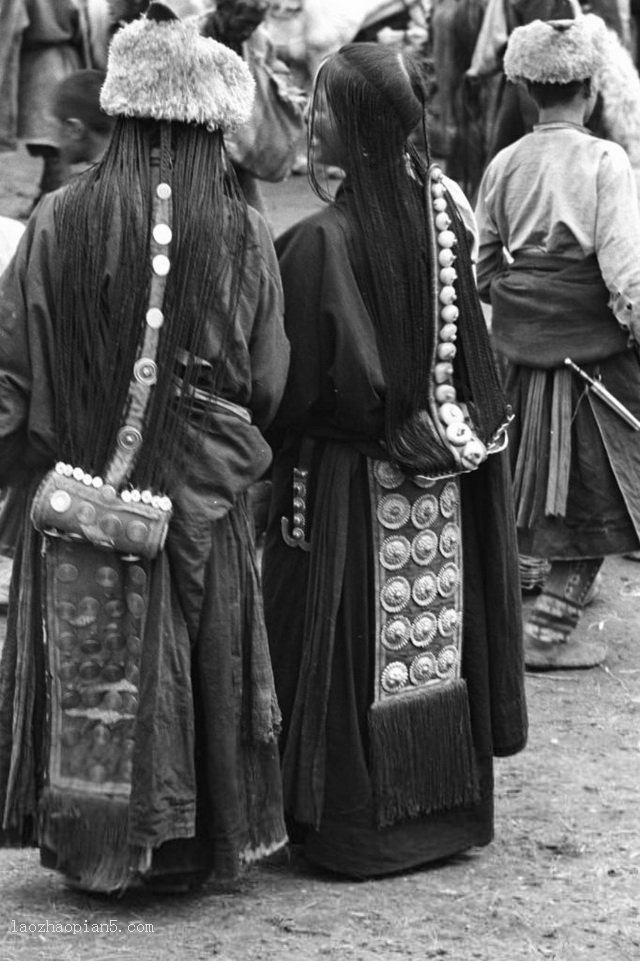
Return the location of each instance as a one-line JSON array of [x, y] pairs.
[[453, 416], [128, 495]]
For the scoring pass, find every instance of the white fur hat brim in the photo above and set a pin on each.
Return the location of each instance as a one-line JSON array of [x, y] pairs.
[[553, 51], [165, 70]]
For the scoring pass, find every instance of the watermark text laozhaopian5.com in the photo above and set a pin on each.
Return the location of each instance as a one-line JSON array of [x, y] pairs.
[[80, 927]]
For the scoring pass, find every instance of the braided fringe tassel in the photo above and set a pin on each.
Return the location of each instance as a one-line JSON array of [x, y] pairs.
[[88, 837], [421, 753]]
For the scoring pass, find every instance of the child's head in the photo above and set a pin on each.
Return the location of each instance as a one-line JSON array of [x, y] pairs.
[[84, 127], [556, 60]]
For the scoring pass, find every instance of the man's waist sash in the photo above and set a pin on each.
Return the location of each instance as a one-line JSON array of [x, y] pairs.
[[549, 308]]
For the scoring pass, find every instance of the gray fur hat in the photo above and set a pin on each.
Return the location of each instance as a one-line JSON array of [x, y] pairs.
[[552, 51], [161, 68]]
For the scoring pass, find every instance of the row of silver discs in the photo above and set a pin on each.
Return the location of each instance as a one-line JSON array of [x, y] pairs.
[[395, 510], [396, 550], [398, 592], [420, 631], [426, 667], [423, 533]]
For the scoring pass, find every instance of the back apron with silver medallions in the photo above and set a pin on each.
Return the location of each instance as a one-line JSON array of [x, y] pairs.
[[421, 752]]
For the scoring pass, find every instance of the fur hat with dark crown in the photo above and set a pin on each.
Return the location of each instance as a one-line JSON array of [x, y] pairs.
[[552, 51], [161, 68]]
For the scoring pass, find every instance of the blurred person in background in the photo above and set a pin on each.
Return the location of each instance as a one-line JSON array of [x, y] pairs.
[[41, 43], [563, 205], [85, 129]]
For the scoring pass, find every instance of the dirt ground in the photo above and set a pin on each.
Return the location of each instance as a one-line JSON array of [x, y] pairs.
[[561, 880]]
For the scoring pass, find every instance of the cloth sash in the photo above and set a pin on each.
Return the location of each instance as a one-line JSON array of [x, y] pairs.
[[548, 308]]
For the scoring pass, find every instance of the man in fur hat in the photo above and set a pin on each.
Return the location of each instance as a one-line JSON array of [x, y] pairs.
[[142, 354], [559, 243]]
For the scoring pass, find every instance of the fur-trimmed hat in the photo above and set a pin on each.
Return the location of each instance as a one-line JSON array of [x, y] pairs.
[[160, 68], [552, 51]]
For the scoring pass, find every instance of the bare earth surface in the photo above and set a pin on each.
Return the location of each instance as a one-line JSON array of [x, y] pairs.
[[561, 880]]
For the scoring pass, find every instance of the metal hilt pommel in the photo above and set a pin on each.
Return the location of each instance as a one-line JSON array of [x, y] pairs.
[[605, 396]]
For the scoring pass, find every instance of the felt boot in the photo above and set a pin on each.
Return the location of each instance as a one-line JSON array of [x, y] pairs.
[[550, 640]]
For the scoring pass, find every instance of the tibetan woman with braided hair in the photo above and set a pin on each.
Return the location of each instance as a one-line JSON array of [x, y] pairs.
[[390, 568], [142, 354]]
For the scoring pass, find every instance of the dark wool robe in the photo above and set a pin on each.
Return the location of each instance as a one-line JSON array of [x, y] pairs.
[[333, 408], [205, 781]]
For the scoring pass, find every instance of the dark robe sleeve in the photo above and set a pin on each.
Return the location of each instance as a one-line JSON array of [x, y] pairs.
[[26, 352], [233, 454], [301, 253], [268, 345], [335, 382]]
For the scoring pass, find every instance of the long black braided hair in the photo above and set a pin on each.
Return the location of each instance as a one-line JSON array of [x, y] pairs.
[[376, 98], [102, 290]]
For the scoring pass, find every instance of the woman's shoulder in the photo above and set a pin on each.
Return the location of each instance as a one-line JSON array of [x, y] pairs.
[[320, 231], [39, 229]]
